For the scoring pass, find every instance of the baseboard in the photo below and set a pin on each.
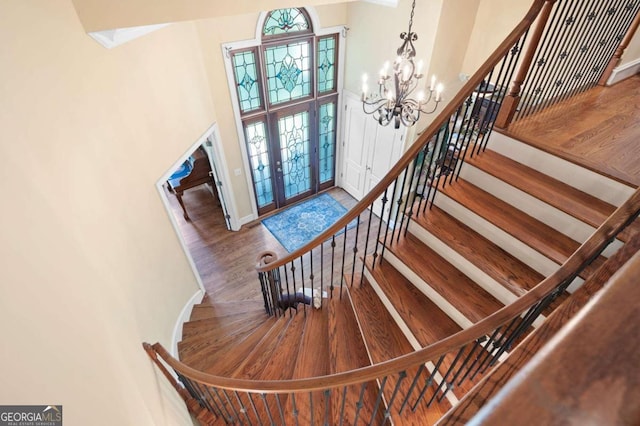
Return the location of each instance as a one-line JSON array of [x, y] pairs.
[[246, 219], [623, 72], [184, 316]]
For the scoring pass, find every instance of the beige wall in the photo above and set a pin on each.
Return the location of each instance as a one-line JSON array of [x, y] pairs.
[[91, 266], [494, 21], [632, 52], [374, 37], [213, 33], [452, 38], [98, 15]]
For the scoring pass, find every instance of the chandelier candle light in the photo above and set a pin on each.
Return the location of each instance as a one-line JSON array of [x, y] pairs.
[[395, 103]]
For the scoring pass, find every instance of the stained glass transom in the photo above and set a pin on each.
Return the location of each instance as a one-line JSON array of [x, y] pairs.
[[294, 151], [259, 157], [283, 21], [245, 71], [326, 61], [326, 143], [288, 71]]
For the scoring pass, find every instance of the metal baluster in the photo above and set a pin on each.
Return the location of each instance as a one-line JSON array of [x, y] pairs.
[[304, 305], [386, 233], [286, 279], [295, 409], [444, 378], [401, 376], [399, 212], [243, 409], [263, 396], [378, 399], [279, 405], [222, 404], [344, 253], [293, 276], [460, 146], [321, 269], [344, 399], [438, 144], [360, 403], [253, 406], [311, 406], [333, 252], [366, 244], [355, 251], [428, 383], [384, 202], [327, 396], [411, 198], [208, 403], [416, 377], [490, 346], [477, 344], [236, 416]]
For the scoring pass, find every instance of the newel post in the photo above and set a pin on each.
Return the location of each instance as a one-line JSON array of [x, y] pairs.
[[270, 288], [615, 59], [511, 100]]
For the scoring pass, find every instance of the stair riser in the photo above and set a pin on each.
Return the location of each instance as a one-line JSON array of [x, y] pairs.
[[545, 213], [428, 291], [585, 180], [549, 215], [512, 245], [463, 265], [502, 239]]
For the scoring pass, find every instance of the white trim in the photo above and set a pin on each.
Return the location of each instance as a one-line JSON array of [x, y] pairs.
[[118, 36], [184, 316], [257, 41], [623, 72], [223, 170], [165, 200], [388, 3]]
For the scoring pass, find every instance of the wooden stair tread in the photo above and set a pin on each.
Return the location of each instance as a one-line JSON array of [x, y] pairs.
[[312, 363], [230, 358], [537, 235], [574, 202], [211, 342], [348, 352], [509, 271], [278, 364], [570, 200], [428, 323], [466, 296], [252, 364], [201, 326], [385, 341], [218, 310]]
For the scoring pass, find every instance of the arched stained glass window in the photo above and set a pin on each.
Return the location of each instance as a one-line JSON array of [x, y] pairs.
[[287, 96], [284, 21]]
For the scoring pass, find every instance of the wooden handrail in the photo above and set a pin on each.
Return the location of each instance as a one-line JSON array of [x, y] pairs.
[[415, 148], [624, 215]]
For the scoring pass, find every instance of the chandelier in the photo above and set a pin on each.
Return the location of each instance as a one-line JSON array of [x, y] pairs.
[[394, 101]]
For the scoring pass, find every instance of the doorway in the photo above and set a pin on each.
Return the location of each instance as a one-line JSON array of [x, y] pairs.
[[286, 93]]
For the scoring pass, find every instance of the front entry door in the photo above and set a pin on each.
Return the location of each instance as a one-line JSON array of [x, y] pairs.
[[293, 154]]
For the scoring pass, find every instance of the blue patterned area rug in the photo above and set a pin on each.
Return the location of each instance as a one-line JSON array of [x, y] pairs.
[[297, 225]]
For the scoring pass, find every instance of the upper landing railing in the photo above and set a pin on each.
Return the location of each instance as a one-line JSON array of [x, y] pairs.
[[575, 45]]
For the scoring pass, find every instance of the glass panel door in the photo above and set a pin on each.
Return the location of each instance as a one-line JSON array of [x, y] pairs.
[[295, 170]]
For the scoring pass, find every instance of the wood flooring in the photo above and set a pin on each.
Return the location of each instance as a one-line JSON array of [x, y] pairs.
[[598, 129]]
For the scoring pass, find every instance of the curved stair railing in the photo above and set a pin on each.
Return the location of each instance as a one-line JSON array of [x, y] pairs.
[[337, 257], [433, 161], [432, 371]]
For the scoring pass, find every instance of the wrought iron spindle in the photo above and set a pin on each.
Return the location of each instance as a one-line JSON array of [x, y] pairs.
[[383, 204], [344, 253], [445, 377], [414, 382], [243, 408], [295, 409], [428, 382], [401, 376], [366, 244], [378, 399], [355, 251], [360, 403], [263, 397]]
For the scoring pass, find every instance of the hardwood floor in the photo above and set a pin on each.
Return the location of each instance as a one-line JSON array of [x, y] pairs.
[[598, 129], [226, 259]]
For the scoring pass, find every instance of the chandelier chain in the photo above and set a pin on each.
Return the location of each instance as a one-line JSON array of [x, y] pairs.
[[413, 8]]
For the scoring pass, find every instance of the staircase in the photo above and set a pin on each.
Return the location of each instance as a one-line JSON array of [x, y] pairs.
[[447, 269], [489, 238]]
